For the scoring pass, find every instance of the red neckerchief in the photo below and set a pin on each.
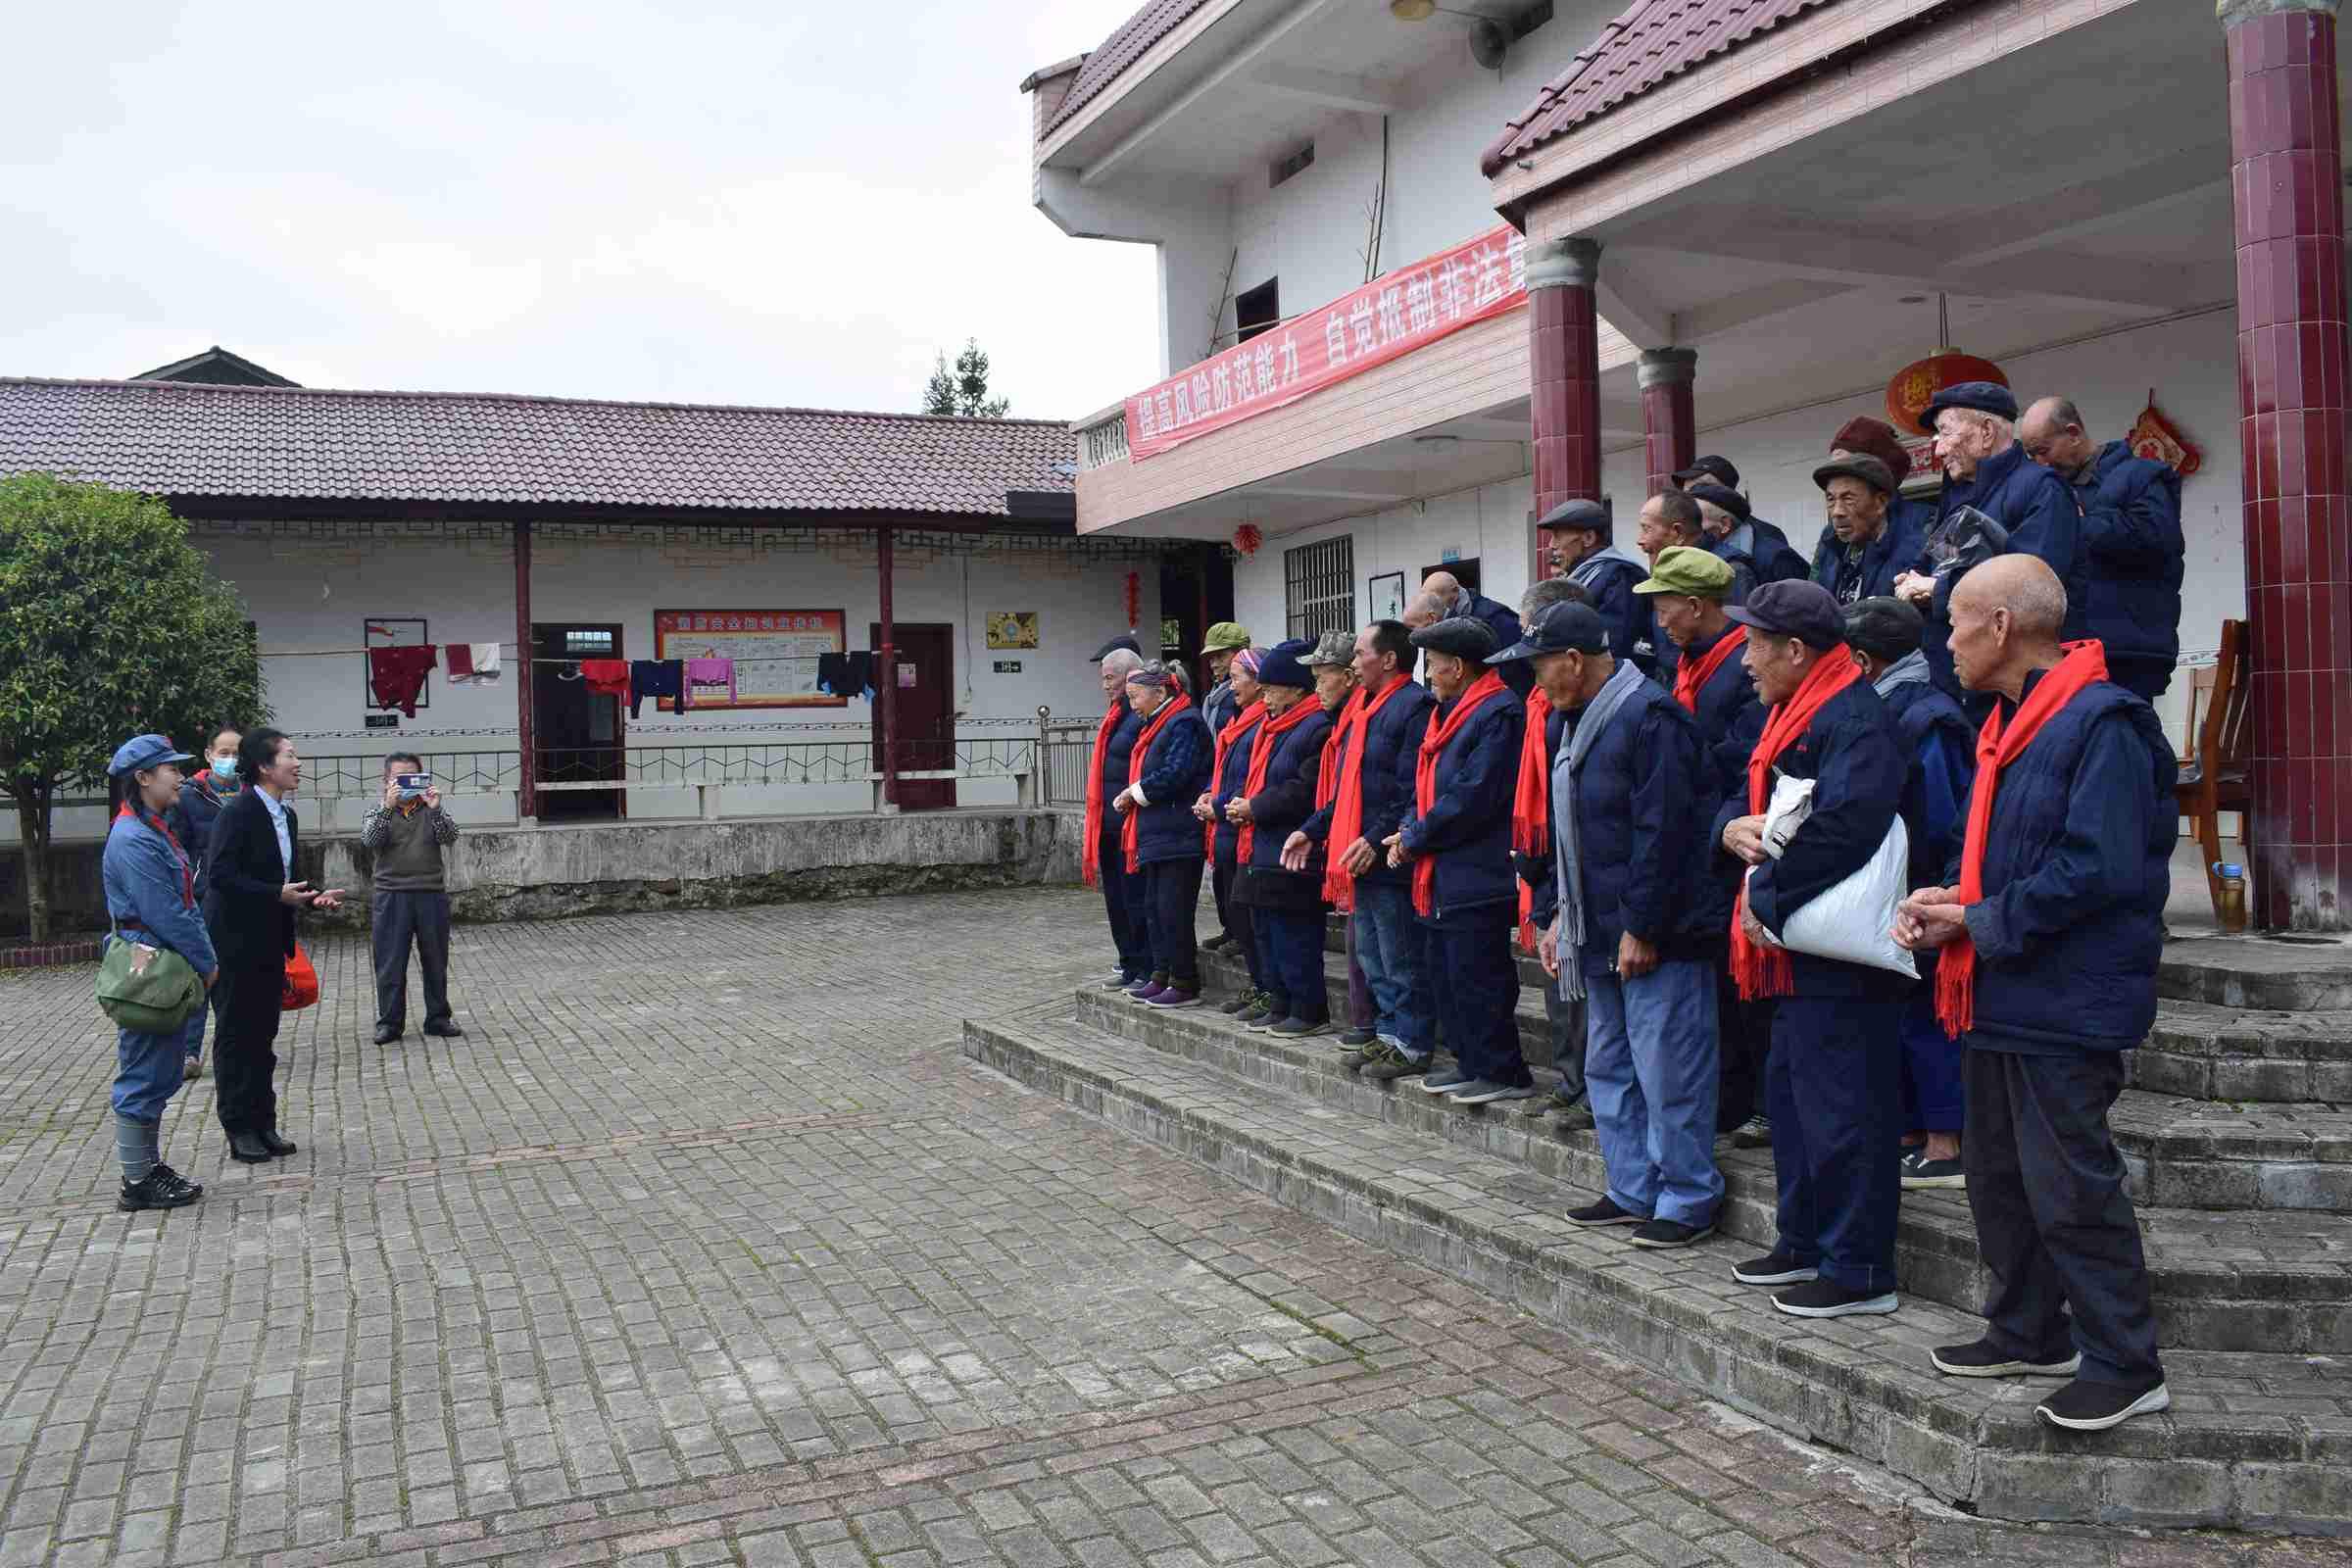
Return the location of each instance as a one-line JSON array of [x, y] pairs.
[[1531, 805], [1235, 729], [1690, 676], [1348, 798], [1135, 768], [1760, 971], [187, 878], [1997, 745], [1261, 753], [1089, 854], [1425, 777]]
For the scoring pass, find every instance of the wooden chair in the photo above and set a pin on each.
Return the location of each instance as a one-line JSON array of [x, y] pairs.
[[2213, 775]]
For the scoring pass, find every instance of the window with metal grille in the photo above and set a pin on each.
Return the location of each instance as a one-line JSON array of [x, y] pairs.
[[1319, 587]]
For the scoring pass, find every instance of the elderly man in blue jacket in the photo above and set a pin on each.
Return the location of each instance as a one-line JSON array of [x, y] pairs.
[[1501, 619], [2050, 930], [1633, 936], [1582, 552], [1161, 839], [1737, 534], [1862, 546], [2129, 536]]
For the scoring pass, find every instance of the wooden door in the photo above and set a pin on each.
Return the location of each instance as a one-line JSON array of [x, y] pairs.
[[924, 717]]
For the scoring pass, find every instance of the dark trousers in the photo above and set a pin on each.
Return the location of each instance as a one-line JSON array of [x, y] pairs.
[[1360, 1010], [1475, 983], [1932, 1101], [1745, 1029], [1221, 871], [1834, 1104], [1127, 932], [244, 1050], [1290, 953], [2054, 1220], [1237, 916], [1564, 1027], [1171, 900], [400, 920]]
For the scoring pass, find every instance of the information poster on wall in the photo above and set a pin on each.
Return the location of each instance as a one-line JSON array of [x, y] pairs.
[[777, 654]]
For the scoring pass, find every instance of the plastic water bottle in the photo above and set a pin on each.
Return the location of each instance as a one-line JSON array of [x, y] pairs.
[[2234, 896]]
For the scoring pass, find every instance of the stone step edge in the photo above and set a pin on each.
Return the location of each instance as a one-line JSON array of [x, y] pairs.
[[2006, 1468], [2203, 1306]]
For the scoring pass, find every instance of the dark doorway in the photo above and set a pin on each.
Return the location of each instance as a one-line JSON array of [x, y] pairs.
[[1464, 573], [579, 737], [1256, 310], [924, 714], [1195, 592]]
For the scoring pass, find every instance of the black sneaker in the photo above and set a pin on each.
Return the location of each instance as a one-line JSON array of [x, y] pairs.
[[1920, 1172], [1259, 1012], [1669, 1233], [1982, 1360], [1265, 1022], [2083, 1406], [160, 1188], [1300, 1028], [1355, 1038], [1828, 1299], [1775, 1267], [1605, 1212]]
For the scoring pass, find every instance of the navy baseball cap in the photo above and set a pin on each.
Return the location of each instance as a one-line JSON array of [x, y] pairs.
[[145, 751], [1561, 628]]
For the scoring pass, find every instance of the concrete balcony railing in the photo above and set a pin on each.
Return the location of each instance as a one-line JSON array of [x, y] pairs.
[[1103, 438]]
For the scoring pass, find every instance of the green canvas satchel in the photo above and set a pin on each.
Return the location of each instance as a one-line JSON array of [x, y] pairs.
[[146, 989]]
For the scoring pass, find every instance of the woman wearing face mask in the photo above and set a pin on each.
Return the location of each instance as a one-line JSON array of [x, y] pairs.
[[202, 796]]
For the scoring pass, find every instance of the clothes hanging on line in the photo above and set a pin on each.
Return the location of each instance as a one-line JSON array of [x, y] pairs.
[[832, 674], [607, 677], [472, 663], [858, 675], [657, 677], [396, 675], [712, 672]]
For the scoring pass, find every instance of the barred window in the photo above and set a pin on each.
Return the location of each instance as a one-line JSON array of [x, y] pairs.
[[1319, 583]]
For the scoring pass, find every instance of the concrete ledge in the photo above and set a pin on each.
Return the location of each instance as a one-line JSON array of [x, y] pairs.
[[1862, 1386]]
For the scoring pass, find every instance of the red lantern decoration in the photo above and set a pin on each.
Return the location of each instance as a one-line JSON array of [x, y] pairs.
[[1135, 596], [1917, 384], [1246, 539]]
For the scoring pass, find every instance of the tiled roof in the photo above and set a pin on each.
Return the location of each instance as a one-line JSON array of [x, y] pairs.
[[1653, 39], [313, 444], [1122, 49]]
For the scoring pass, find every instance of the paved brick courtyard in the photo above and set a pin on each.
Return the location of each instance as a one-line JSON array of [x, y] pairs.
[[707, 1247]]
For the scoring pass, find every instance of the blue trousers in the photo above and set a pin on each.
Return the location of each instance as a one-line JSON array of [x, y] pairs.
[[1391, 947], [1122, 906], [1934, 1101], [1650, 1069], [148, 1072], [1290, 955], [1833, 1087], [1475, 984]]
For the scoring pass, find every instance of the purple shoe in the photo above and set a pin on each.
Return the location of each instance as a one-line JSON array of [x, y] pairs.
[[1174, 997], [1145, 991]]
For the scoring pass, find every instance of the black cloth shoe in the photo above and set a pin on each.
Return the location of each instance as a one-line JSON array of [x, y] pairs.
[[386, 1033], [248, 1150], [2083, 1406], [1982, 1360], [1605, 1212], [445, 1031], [1355, 1038], [1670, 1232], [1829, 1298], [278, 1146], [160, 1188], [1775, 1267]]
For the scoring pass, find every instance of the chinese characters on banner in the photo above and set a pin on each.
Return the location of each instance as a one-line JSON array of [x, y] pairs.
[[1393, 315], [775, 654]]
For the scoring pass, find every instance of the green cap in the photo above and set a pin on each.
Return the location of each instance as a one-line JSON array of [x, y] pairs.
[[1688, 570], [1223, 635]]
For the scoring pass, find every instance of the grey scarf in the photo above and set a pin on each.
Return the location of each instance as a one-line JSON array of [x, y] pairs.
[[1590, 567], [1569, 941], [1909, 671]]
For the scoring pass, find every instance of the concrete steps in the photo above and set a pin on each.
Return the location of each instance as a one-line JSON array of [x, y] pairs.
[[2208, 1050], [2256, 1439]]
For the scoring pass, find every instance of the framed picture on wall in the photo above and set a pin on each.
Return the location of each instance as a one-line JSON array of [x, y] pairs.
[[1388, 596]]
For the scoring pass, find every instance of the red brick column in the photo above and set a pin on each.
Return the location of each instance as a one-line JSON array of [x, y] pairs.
[[2286, 184], [1564, 369], [1667, 414]]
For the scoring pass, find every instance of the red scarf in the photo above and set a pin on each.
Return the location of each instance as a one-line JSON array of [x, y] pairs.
[[1691, 678], [1531, 805], [1348, 798], [1764, 972], [1168, 709], [1235, 729], [1261, 753], [1089, 854], [1483, 689], [187, 878], [1997, 747]]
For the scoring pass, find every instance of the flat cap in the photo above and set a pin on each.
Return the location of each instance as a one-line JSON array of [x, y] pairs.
[[1884, 627], [1332, 648], [1862, 433], [1986, 397], [1578, 515], [1223, 635], [1857, 466], [1730, 501], [1560, 628], [1710, 466], [1125, 639], [1688, 570], [1461, 636], [1805, 611]]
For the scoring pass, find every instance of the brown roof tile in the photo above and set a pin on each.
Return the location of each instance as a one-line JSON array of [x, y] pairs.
[[1652, 40], [314, 444], [1123, 48]]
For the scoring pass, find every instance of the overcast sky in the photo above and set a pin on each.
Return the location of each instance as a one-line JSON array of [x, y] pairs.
[[693, 202]]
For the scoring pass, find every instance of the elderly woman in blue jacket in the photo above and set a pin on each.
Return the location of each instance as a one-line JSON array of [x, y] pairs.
[[151, 898]]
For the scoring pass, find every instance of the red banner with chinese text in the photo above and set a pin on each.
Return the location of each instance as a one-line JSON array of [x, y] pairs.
[[1393, 314]]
